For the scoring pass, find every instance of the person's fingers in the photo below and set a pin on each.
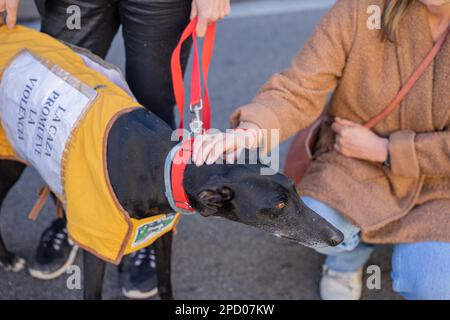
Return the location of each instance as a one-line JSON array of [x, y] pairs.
[[202, 25], [11, 8], [345, 122], [337, 127], [342, 142], [216, 152], [345, 141], [338, 141], [233, 156], [227, 8], [222, 12], [196, 147], [200, 155], [207, 149], [215, 14], [221, 149], [218, 12], [229, 143], [222, 146], [337, 147], [2, 10], [199, 148], [207, 146], [194, 10], [342, 150]]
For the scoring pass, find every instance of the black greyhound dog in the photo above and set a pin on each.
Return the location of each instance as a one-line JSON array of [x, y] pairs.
[[138, 144]]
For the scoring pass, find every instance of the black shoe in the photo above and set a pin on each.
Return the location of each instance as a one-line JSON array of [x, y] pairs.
[[55, 253], [138, 274]]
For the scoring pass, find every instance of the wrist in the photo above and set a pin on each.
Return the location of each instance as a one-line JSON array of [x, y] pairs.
[[385, 159]]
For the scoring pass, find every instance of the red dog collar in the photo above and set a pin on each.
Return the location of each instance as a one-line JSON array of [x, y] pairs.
[[174, 169]]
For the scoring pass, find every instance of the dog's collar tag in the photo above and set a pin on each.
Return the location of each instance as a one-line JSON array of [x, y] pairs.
[[174, 167]]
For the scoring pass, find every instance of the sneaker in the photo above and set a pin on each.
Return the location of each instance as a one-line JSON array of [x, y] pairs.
[[55, 253], [138, 274], [336, 285]]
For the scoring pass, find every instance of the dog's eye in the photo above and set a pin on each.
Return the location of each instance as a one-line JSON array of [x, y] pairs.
[[280, 205], [281, 201]]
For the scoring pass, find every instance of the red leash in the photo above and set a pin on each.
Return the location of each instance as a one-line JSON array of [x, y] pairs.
[[197, 104], [177, 75]]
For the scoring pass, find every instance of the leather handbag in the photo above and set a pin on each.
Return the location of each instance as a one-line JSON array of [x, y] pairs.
[[301, 149]]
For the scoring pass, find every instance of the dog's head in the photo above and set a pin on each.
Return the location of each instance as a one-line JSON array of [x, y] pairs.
[[268, 202]]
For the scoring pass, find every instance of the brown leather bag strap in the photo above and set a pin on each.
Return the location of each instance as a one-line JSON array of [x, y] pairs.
[[410, 83], [43, 194]]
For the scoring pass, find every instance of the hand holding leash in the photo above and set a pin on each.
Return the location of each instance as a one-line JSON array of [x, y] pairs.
[[208, 11], [11, 7]]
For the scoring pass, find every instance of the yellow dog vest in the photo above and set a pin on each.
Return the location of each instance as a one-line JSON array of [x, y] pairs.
[[56, 112]]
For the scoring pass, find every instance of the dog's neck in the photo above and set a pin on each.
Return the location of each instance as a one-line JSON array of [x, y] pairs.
[[138, 144]]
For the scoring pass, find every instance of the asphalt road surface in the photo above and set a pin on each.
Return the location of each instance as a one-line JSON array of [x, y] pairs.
[[213, 258]]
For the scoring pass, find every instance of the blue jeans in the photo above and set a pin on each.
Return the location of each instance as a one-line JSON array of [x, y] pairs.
[[419, 270]]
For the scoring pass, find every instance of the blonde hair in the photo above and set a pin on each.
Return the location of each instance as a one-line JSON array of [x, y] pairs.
[[392, 16]]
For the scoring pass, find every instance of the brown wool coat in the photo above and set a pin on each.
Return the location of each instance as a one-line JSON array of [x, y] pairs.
[[411, 201]]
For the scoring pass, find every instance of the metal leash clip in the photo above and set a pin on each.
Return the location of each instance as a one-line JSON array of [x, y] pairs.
[[196, 124]]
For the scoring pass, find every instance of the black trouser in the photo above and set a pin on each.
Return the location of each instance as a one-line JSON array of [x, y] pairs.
[[151, 29]]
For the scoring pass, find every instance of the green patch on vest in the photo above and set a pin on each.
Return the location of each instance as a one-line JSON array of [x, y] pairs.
[[153, 229]]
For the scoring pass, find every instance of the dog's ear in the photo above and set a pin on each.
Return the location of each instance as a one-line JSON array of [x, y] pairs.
[[214, 195]]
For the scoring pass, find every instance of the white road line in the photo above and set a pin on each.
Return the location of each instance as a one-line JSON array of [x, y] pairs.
[[264, 8]]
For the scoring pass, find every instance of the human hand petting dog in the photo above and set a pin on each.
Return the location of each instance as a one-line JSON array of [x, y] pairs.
[[208, 11], [352, 140], [356, 141], [210, 147], [11, 7]]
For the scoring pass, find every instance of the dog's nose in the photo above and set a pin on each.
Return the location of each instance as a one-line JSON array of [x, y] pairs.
[[336, 237], [334, 241]]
